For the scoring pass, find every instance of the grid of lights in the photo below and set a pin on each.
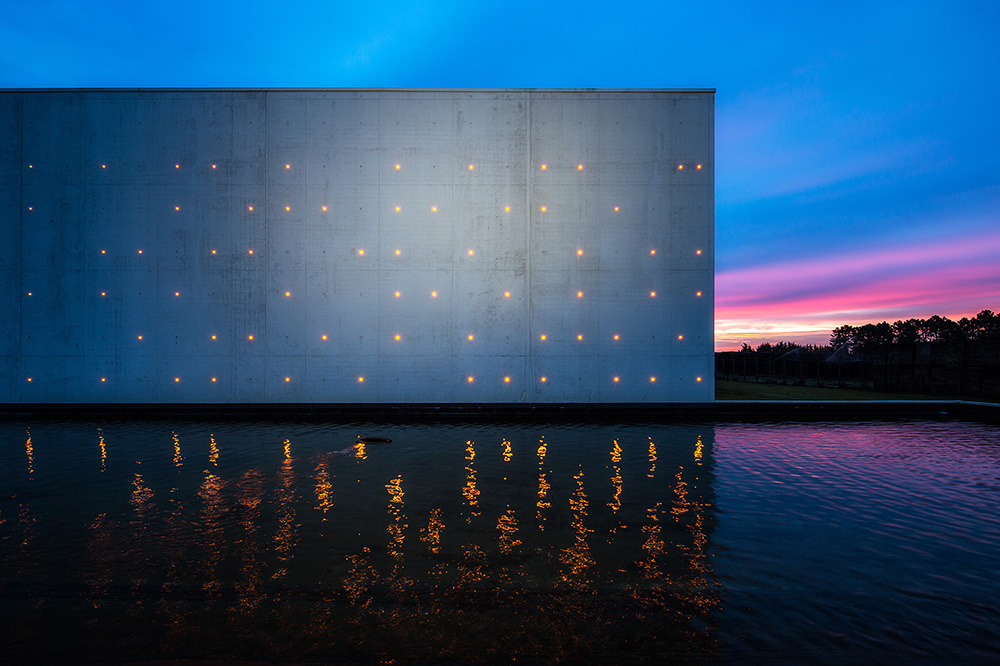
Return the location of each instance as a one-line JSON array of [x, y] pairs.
[[503, 379]]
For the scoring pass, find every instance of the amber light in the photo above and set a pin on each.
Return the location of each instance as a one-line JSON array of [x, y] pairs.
[[361, 253], [543, 337], [698, 167], [544, 379], [506, 294], [652, 294], [288, 166], [288, 379], [323, 337], [398, 209], [652, 380], [506, 209], [288, 294], [397, 294], [434, 209], [471, 337], [697, 251], [104, 166], [138, 337], [614, 379], [249, 251], [288, 209], [177, 207], [470, 379], [177, 293], [361, 380], [323, 208], [103, 379], [397, 253], [213, 380], [397, 337], [506, 380], [104, 293], [544, 208], [434, 294], [471, 167], [250, 338], [177, 379], [213, 166], [398, 167], [29, 380], [177, 166], [250, 208], [140, 251], [680, 337], [579, 167], [544, 167], [579, 253], [215, 337], [471, 252], [697, 293], [579, 294], [680, 167], [615, 337], [697, 379], [579, 336], [616, 209], [213, 252]]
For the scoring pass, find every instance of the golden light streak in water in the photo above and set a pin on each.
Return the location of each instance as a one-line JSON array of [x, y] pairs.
[[681, 503], [616, 479], [506, 451], [654, 545], [360, 452], [249, 494], [652, 458], [470, 491], [324, 495], [543, 486], [431, 535], [359, 578], [507, 526], [141, 496], [212, 537], [213, 451], [104, 451], [178, 458], [285, 539], [698, 450], [397, 524], [30, 451], [577, 558]]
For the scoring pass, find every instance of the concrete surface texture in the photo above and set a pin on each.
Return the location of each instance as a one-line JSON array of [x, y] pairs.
[[356, 246]]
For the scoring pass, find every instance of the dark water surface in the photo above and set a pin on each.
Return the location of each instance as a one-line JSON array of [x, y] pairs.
[[820, 542]]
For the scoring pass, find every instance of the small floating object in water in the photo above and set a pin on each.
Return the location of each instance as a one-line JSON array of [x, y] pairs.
[[374, 440]]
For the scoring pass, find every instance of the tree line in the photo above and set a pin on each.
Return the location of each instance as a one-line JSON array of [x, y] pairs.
[[868, 338]]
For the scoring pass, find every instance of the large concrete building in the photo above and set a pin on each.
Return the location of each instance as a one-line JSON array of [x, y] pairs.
[[356, 246]]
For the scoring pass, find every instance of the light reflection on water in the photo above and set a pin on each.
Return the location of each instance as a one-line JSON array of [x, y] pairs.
[[467, 543]]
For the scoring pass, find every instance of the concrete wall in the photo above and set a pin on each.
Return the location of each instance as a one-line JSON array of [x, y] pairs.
[[146, 235]]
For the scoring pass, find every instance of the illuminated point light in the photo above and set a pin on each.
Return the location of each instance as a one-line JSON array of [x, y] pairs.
[[434, 294], [177, 207], [288, 379], [288, 166], [652, 294], [288, 294], [104, 166], [434, 209], [104, 379], [470, 379], [323, 208], [506, 294], [250, 337], [214, 252], [31, 293], [104, 251], [213, 378], [579, 253], [615, 337], [361, 380], [29, 380], [698, 294], [579, 294], [544, 379], [697, 251], [471, 337], [544, 167], [250, 208], [697, 379], [31, 166], [652, 252], [397, 253], [579, 167], [31, 208], [177, 293], [680, 337], [616, 209], [652, 380], [177, 166], [698, 167], [543, 337], [506, 209], [249, 251], [397, 337], [680, 167], [140, 251], [398, 167], [104, 293], [506, 380], [323, 337], [579, 336], [214, 337], [213, 166], [398, 209], [177, 380], [139, 337], [615, 379], [471, 167], [397, 294], [471, 252], [361, 253], [544, 209], [288, 208]]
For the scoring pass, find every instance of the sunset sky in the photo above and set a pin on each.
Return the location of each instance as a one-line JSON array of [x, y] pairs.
[[857, 144]]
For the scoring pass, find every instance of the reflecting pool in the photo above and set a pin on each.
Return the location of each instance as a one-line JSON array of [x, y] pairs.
[[152, 540]]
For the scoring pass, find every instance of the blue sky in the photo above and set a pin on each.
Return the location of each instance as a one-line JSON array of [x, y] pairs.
[[857, 144]]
